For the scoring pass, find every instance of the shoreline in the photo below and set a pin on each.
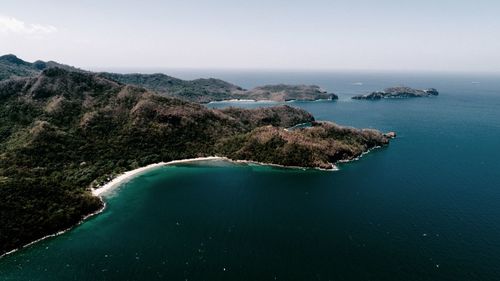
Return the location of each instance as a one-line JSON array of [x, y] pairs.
[[127, 176], [122, 178], [86, 217], [242, 101], [266, 101]]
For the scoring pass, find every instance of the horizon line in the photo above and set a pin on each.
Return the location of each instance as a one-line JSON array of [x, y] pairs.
[[159, 69]]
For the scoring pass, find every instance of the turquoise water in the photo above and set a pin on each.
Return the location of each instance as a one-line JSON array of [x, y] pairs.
[[425, 208]]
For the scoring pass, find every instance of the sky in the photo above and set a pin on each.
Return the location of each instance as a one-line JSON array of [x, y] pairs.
[[385, 35]]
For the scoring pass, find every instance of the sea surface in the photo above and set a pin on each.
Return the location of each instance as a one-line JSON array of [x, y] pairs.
[[427, 207]]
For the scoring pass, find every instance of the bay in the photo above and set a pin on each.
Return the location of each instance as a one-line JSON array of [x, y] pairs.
[[427, 207]]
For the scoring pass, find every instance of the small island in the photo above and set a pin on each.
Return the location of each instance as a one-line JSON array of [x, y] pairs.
[[397, 93]]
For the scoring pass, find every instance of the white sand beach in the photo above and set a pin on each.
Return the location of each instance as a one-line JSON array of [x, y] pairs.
[[115, 182], [131, 174]]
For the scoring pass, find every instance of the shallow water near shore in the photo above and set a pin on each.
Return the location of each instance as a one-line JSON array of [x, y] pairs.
[[425, 208]]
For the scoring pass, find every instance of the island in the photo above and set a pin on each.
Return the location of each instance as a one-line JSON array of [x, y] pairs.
[[65, 132], [398, 92]]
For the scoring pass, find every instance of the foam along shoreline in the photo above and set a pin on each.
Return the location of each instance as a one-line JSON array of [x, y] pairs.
[[360, 156], [59, 232], [265, 101]]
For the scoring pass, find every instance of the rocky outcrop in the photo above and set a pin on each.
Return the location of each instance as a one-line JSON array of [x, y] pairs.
[[390, 135]]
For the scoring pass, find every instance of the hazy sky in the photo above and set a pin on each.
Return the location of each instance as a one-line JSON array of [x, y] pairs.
[[437, 35]]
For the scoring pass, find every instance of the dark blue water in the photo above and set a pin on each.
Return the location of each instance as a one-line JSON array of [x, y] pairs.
[[425, 208]]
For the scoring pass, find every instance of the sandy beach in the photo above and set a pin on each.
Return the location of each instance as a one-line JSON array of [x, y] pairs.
[[131, 174], [115, 182]]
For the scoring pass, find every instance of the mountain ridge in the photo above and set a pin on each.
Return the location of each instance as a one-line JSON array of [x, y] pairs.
[[11, 66], [203, 90]]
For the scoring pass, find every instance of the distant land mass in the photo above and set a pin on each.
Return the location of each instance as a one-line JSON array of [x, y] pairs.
[[398, 92], [64, 131], [210, 90], [198, 90], [283, 92]]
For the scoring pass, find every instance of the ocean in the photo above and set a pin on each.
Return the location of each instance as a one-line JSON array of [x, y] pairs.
[[427, 207]]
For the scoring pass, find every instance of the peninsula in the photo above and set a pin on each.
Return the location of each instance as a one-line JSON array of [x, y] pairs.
[[63, 132]]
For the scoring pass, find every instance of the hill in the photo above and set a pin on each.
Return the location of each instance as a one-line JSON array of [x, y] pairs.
[[198, 90], [12, 66]]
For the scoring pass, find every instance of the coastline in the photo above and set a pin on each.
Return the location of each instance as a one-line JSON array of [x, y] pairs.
[[360, 156], [115, 182], [127, 176], [86, 217], [242, 101], [266, 101]]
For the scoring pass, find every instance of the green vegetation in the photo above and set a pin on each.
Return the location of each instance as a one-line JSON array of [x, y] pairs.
[[62, 132], [317, 146], [199, 90], [11, 66]]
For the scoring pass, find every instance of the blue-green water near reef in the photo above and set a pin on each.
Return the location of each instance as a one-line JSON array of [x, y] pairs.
[[425, 208]]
